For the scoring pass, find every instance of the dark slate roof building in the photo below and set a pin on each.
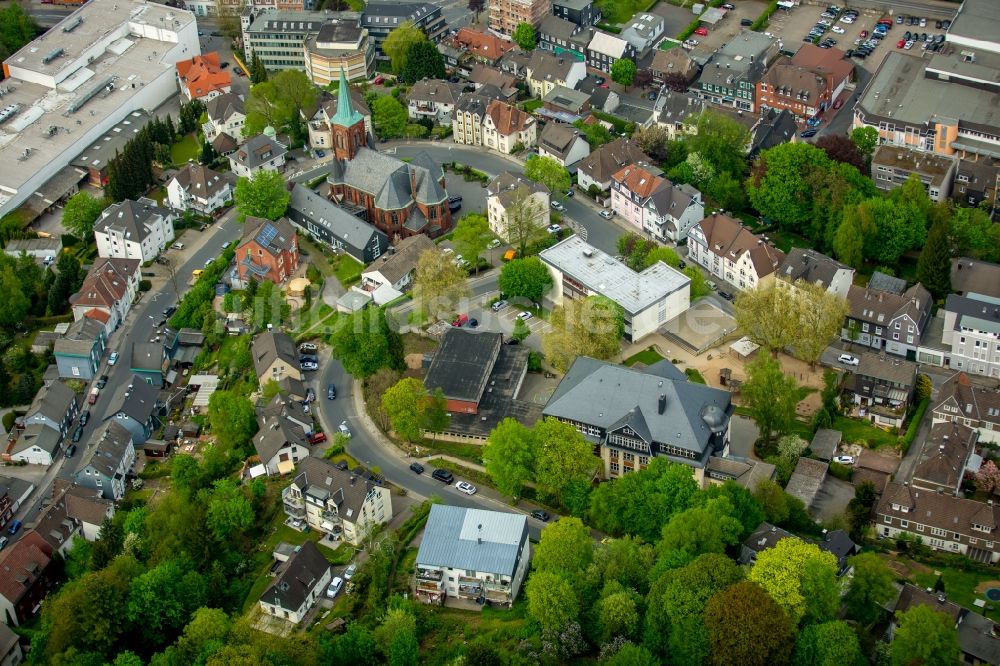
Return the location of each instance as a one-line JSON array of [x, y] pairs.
[[840, 545], [773, 129], [462, 366], [301, 582], [327, 222], [381, 18], [765, 536]]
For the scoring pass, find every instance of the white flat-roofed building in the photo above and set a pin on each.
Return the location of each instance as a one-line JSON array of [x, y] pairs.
[[650, 299], [106, 60]]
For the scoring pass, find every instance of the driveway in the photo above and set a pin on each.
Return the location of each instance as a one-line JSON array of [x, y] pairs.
[[832, 499]]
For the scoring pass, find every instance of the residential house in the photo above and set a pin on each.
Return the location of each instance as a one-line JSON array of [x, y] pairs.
[[604, 50], [137, 411], [260, 153], [674, 68], [839, 544], [598, 168], [336, 502], [10, 647], [978, 407], [391, 274], [773, 128], [472, 554], [398, 197], [482, 76], [46, 249], [745, 472], [202, 77], [808, 83], [972, 276], [300, 583], [649, 299], [815, 268], [26, 577], [339, 47], [469, 113], [269, 250], [679, 112], [563, 143], [766, 536], [507, 128], [57, 528], [731, 75], [643, 33], [134, 230], [434, 99], [6, 500], [978, 638], [946, 455], [481, 47], [631, 187], [977, 179], [806, 480], [183, 346], [885, 320], [78, 352], [506, 15], [943, 522], [83, 507], [513, 201], [282, 437], [200, 189], [893, 165], [148, 361], [972, 331], [547, 70], [882, 387], [565, 105], [320, 127], [108, 291], [381, 17], [671, 211], [515, 63], [632, 416], [108, 463], [731, 252], [226, 115], [334, 226], [275, 357], [36, 445], [564, 38], [581, 12], [225, 145], [55, 406]]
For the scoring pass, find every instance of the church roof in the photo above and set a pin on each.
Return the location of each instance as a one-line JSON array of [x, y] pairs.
[[347, 115]]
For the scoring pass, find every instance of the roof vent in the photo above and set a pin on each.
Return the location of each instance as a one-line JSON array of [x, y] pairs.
[[662, 403]]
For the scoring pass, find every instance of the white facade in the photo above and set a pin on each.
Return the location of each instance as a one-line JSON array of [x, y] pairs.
[[578, 149], [33, 455], [233, 126], [276, 163], [972, 331], [673, 225], [116, 311], [180, 198], [296, 615], [542, 86], [536, 203], [116, 242], [495, 139]]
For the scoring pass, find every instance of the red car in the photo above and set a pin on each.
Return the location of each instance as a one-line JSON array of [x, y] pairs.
[[379, 80], [461, 320], [701, 31], [318, 438], [864, 33], [839, 103], [900, 43]]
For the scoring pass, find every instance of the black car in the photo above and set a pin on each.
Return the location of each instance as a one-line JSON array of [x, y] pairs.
[[417, 467], [538, 514], [331, 391], [102, 382], [342, 465], [308, 358], [746, 22], [161, 322], [84, 417], [443, 475], [78, 434], [725, 294], [70, 450], [682, 264], [454, 203], [169, 311], [569, 192], [473, 323], [510, 341]]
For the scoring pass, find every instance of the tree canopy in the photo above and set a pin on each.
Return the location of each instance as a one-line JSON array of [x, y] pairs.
[[398, 45], [423, 61], [81, 211], [771, 396], [439, 284], [509, 457], [800, 578], [389, 117], [262, 195], [527, 278], [584, 327], [623, 72], [524, 36], [746, 626], [549, 173], [365, 343], [924, 636]]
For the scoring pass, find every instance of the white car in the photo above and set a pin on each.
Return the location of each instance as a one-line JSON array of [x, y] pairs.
[[344, 430], [350, 571], [847, 359], [557, 206], [466, 487], [847, 19], [553, 228], [334, 587], [607, 214], [825, 22], [448, 250], [525, 316], [908, 45], [113, 358], [837, 29], [495, 243], [844, 460]]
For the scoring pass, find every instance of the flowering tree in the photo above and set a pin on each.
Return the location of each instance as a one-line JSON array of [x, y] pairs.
[[988, 477]]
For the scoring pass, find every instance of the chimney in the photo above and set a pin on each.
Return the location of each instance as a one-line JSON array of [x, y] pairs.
[[662, 405]]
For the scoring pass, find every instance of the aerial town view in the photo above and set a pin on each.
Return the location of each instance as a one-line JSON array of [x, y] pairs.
[[500, 332]]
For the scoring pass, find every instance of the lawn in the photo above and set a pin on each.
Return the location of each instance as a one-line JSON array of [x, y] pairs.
[[466, 473], [668, 44], [531, 105], [960, 587], [646, 357], [863, 432], [186, 149], [694, 376], [470, 452], [346, 268]]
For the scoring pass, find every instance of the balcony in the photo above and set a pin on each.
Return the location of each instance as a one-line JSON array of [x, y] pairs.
[[294, 511], [470, 588], [429, 574], [290, 499]]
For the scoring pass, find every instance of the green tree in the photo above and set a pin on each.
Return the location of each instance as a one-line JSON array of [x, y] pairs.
[[707, 528], [721, 142], [398, 44], [521, 330], [81, 211], [584, 327], [15, 303], [566, 548], [745, 626], [889, 230], [781, 185], [552, 603], [402, 404], [828, 644], [262, 195], [618, 613], [771, 396], [819, 316], [745, 506], [233, 419], [365, 343], [207, 631], [397, 637], [972, 232], [423, 61], [871, 586], [509, 457], [642, 502], [626, 560], [229, 511], [924, 636], [439, 285], [208, 154], [389, 117], [623, 72], [17, 28], [562, 456], [527, 278], [161, 601], [767, 315], [800, 578], [471, 236], [258, 73], [524, 36], [631, 655], [265, 108], [549, 173], [849, 242], [865, 138], [355, 646], [934, 264]]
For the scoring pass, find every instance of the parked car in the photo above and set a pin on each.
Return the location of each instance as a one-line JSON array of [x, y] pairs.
[[570, 193], [746, 22], [334, 588], [309, 365], [3, 542], [417, 468], [839, 103], [498, 306], [607, 214], [318, 438], [808, 133], [460, 320], [94, 392], [726, 295], [493, 244], [443, 475], [344, 430], [70, 450], [837, 29], [14, 527], [554, 228], [557, 206], [454, 203], [84, 417], [847, 359], [113, 358], [102, 381], [844, 460], [466, 487], [308, 348], [350, 571], [308, 358], [701, 32], [78, 434], [473, 323], [525, 315], [538, 514], [331, 391]]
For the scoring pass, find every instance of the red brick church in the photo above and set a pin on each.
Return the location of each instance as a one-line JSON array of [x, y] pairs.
[[398, 197]]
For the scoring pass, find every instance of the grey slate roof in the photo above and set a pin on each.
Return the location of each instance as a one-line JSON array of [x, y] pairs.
[[602, 394], [307, 206], [79, 338], [672, 198], [825, 442], [765, 536], [318, 478], [452, 539], [980, 313], [435, 90], [52, 402], [225, 106], [509, 187], [974, 276], [201, 181], [298, 577], [36, 434], [403, 259], [258, 150], [267, 347], [140, 403], [977, 636], [106, 456], [463, 362], [276, 430], [773, 129], [567, 98], [809, 266], [146, 356], [388, 179], [547, 66], [891, 369], [885, 282], [557, 138]]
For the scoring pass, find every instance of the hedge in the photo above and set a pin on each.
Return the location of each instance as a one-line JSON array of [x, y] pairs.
[[607, 27], [911, 430], [762, 20]]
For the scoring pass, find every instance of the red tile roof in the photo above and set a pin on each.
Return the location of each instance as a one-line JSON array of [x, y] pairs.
[[99, 315], [825, 61], [203, 75], [638, 180], [508, 119], [21, 564], [106, 283], [483, 44]]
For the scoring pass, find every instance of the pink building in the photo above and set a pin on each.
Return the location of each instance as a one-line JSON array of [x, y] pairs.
[[631, 187]]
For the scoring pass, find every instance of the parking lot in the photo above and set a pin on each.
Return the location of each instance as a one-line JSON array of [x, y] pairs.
[[729, 26]]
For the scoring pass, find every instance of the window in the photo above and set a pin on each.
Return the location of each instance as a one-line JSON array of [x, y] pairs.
[[920, 528], [904, 524]]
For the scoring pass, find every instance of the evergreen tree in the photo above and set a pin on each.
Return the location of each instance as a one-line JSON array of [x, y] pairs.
[[171, 130], [934, 265], [25, 389], [258, 73], [208, 153]]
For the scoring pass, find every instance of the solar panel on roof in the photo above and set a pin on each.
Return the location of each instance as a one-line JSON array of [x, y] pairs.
[[266, 235]]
